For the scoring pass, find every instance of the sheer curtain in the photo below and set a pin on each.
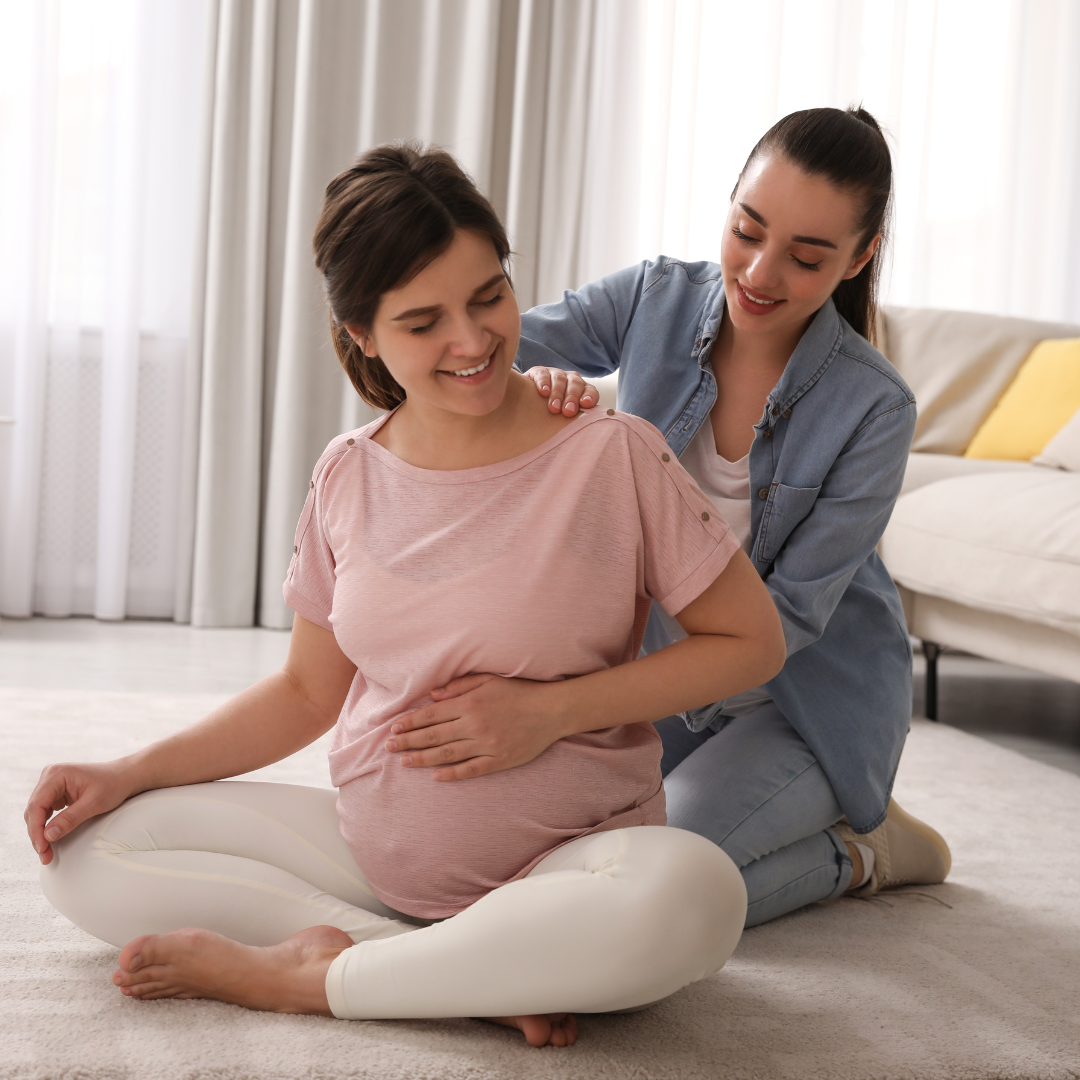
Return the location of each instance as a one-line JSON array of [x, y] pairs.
[[163, 345], [980, 100], [98, 127]]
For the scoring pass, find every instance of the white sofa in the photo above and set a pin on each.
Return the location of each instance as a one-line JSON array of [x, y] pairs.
[[986, 553]]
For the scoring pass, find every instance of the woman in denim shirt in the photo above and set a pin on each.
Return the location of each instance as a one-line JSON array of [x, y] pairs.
[[804, 453]]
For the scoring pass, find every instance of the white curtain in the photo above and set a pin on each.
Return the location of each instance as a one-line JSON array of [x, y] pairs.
[[163, 344], [980, 100], [97, 181]]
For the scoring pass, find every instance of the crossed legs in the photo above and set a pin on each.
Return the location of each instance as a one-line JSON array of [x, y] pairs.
[[609, 921]]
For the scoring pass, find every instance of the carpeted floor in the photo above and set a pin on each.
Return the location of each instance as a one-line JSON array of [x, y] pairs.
[[977, 979]]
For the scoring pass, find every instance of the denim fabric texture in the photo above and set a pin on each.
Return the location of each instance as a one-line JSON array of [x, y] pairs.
[[752, 786], [826, 466]]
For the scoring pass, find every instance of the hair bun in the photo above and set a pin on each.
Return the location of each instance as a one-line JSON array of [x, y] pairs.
[[866, 117]]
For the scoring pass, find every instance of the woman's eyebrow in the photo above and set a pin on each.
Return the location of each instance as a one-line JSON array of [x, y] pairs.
[[797, 239], [487, 284], [413, 313], [814, 240]]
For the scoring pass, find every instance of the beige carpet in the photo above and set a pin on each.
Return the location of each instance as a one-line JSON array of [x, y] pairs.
[[978, 978]]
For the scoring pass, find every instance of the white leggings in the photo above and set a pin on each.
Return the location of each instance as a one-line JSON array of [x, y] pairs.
[[609, 921]]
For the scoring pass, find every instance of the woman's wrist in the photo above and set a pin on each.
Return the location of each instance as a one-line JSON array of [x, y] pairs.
[[135, 773], [569, 712]]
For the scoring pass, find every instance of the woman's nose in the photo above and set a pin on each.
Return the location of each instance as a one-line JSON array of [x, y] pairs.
[[469, 338], [764, 269]]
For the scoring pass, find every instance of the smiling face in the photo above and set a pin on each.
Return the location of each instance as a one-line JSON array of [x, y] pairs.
[[790, 239], [449, 336]]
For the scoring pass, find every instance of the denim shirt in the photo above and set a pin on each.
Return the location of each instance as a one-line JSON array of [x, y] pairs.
[[826, 466]]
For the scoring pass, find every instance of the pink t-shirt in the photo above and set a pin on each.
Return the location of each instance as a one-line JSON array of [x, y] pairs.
[[541, 567]]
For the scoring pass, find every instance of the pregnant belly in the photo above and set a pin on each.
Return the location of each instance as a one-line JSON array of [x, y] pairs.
[[431, 848]]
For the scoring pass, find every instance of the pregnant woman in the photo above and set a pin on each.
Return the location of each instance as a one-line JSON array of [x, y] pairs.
[[759, 372], [433, 543]]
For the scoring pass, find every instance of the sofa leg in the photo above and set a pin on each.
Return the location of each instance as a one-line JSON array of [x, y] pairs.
[[931, 651]]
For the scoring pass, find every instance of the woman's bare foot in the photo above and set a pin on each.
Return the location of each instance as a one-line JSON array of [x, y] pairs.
[[289, 977], [554, 1029]]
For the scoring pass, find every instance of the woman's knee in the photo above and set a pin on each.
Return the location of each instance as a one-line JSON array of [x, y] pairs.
[[686, 889]]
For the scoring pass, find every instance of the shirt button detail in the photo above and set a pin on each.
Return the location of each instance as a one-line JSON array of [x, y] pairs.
[[767, 433], [312, 484], [665, 457], [349, 442], [611, 412], [295, 550], [763, 493], [704, 515], [787, 414]]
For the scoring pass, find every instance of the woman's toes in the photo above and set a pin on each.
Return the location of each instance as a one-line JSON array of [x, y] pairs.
[[131, 954]]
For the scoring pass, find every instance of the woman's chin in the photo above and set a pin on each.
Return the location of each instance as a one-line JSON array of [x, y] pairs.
[[472, 400]]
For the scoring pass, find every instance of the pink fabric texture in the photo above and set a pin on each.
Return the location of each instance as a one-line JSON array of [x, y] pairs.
[[540, 567]]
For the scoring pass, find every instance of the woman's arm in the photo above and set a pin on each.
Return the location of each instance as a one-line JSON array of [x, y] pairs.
[[584, 331], [485, 723], [272, 719]]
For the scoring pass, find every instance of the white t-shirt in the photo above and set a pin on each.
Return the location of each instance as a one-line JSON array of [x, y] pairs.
[[727, 485]]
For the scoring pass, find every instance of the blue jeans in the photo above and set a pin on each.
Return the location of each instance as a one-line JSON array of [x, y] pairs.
[[752, 786]]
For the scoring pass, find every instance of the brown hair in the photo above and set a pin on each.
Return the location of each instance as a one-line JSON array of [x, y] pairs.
[[848, 149], [382, 222]]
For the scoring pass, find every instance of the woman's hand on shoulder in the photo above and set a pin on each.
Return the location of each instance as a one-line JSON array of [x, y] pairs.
[[479, 724], [566, 391], [69, 794]]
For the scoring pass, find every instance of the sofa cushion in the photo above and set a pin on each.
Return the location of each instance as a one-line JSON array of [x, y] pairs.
[[1036, 406], [1063, 450], [1007, 542], [923, 469], [958, 363]]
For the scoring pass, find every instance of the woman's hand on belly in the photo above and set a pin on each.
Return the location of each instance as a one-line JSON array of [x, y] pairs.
[[479, 724]]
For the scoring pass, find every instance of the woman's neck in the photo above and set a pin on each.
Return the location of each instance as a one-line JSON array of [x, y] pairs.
[[757, 352], [429, 437], [746, 368]]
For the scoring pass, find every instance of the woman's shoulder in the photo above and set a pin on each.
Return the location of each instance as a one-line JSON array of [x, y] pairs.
[[631, 437], [876, 367], [338, 449]]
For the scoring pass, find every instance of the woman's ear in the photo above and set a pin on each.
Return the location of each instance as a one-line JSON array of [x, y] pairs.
[[363, 339], [862, 259]]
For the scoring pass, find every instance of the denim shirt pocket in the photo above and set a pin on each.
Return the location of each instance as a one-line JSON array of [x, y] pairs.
[[786, 507]]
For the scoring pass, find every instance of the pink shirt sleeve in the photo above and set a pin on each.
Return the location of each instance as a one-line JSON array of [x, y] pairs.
[[687, 543], [309, 584]]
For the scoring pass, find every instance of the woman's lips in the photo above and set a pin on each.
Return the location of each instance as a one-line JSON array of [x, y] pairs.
[[472, 380], [752, 306]]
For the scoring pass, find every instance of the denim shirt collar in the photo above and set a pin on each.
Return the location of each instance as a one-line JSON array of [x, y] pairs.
[[812, 356]]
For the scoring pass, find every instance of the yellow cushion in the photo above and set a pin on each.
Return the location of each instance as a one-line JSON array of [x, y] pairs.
[[1037, 404]]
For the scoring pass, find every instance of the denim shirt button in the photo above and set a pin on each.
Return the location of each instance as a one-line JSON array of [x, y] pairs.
[[776, 410], [787, 414], [763, 493], [767, 433]]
